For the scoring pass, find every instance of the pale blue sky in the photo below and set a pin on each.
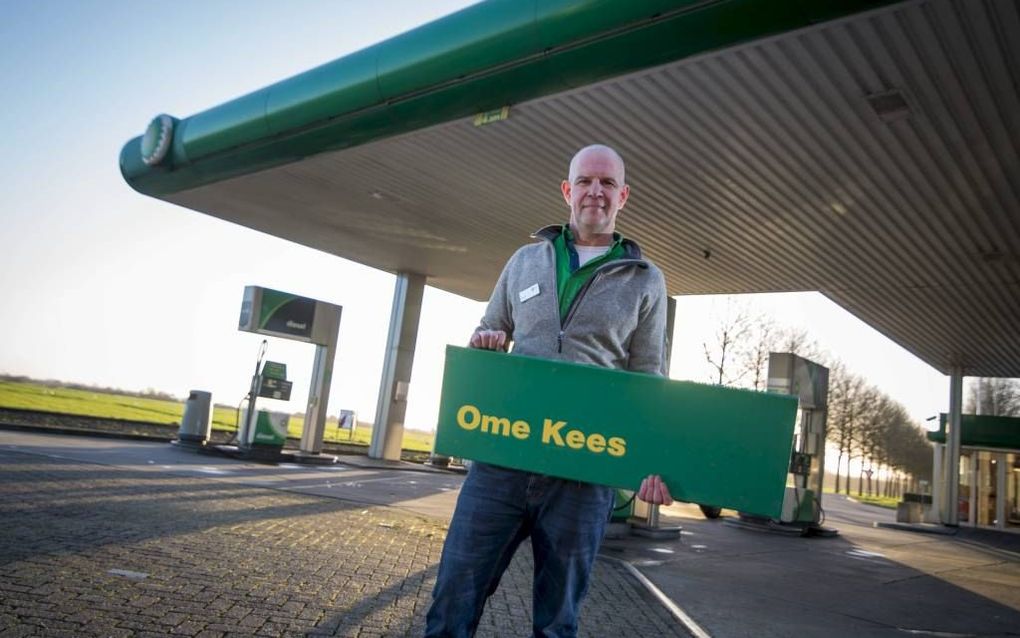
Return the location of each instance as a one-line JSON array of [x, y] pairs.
[[103, 285]]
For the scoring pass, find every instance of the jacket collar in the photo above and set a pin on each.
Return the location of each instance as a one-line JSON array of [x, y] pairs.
[[549, 233]]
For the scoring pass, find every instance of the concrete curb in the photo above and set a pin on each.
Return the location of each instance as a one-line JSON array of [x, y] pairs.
[[957, 534], [921, 528]]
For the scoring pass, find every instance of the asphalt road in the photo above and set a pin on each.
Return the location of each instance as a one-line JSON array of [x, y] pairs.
[[868, 581], [422, 492], [110, 538]]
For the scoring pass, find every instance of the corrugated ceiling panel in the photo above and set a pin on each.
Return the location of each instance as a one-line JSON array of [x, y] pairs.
[[760, 168]]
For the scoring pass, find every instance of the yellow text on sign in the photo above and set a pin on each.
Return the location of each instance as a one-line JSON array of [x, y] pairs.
[[554, 432]]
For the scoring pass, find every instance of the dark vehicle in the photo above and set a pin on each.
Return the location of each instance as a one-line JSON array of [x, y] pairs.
[[710, 511]]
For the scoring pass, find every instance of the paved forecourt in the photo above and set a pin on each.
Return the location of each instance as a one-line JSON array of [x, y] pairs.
[[113, 550]]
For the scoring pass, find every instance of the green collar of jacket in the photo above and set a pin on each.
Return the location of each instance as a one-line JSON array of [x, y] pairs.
[[571, 277]]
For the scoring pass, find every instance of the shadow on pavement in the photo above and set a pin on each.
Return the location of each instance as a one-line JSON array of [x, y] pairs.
[[866, 582], [95, 550]]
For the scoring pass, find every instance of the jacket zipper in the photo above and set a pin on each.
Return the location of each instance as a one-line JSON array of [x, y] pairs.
[[584, 290]]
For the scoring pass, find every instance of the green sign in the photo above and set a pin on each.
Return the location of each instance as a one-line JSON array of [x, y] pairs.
[[286, 314], [275, 389], [712, 445], [982, 430], [496, 115], [274, 370]]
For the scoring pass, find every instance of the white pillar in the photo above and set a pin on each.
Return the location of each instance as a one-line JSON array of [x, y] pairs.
[[952, 466], [318, 398], [972, 480], [938, 491], [388, 432], [1001, 491]]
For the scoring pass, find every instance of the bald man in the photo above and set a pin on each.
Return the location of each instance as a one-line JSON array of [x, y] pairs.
[[582, 293]]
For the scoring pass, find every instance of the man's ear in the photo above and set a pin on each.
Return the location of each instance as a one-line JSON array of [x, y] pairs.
[[565, 189], [624, 195]]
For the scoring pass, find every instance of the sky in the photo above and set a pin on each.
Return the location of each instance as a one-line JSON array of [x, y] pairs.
[[102, 285]]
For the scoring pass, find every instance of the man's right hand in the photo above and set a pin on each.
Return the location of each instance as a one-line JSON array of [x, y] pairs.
[[489, 340], [654, 491]]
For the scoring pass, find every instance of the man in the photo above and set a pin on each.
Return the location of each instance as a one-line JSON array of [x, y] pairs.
[[583, 294]]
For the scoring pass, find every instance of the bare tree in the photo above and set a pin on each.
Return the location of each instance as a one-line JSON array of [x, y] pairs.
[[864, 423], [893, 420], [729, 338], [889, 440], [871, 402], [753, 359], [800, 343], [739, 351], [907, 451], [845, 412], [998, 397], [917, 456]]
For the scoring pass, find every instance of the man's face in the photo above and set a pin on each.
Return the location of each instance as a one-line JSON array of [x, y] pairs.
[[595, 191]]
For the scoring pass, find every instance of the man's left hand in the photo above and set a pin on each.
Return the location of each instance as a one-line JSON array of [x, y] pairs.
[[654, 491]]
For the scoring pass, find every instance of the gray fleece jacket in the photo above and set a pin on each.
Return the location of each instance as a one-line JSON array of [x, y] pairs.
[[617, 321]]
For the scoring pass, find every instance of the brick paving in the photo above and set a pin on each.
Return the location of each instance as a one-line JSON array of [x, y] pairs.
[[95, 550]]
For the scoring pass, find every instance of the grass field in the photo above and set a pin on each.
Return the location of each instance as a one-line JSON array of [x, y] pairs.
[[888, 502], [34, 396]]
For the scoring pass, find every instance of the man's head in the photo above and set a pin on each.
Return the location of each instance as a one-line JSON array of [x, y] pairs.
[[595, 191]]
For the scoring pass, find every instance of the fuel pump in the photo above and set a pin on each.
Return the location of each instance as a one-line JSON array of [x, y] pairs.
[[244, 422], [809, 382], [802, 503], [288, 316], [262, 433]]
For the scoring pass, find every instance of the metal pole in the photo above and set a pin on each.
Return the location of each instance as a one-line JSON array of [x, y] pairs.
[[388, 433], [318, 399], [975, 461], [653, 510], [645, 516], [952, 467], [653, 516], [670, 325], [244, 431], [938, 492], [1000, 491]]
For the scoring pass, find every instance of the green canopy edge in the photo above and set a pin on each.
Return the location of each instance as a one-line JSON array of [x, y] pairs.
[[484, 57]]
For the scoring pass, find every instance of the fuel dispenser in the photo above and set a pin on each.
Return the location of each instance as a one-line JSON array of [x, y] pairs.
[[262, 433], [802, 503], [288, 316]]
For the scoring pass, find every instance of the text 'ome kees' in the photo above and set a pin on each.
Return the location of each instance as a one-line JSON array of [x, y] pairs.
[[554, 433]]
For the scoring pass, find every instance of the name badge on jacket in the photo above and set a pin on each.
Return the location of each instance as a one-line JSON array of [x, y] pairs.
[[528, 293]]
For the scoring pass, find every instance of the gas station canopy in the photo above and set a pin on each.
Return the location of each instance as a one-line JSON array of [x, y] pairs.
[[865, 149]]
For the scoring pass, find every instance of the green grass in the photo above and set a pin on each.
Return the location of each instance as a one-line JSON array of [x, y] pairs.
[[415, 440], [35, 396], [31, 396], [888, 502]]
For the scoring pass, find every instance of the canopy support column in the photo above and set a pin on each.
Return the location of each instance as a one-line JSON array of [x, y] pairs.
[[938, 483], [388, 432], [318, 398], [951, 514]]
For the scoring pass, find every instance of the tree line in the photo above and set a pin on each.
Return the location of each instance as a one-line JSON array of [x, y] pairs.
[[864, 424], [996, 397], [148, 393]]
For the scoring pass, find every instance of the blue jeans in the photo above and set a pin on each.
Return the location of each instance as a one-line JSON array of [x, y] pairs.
[[497, 509]]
